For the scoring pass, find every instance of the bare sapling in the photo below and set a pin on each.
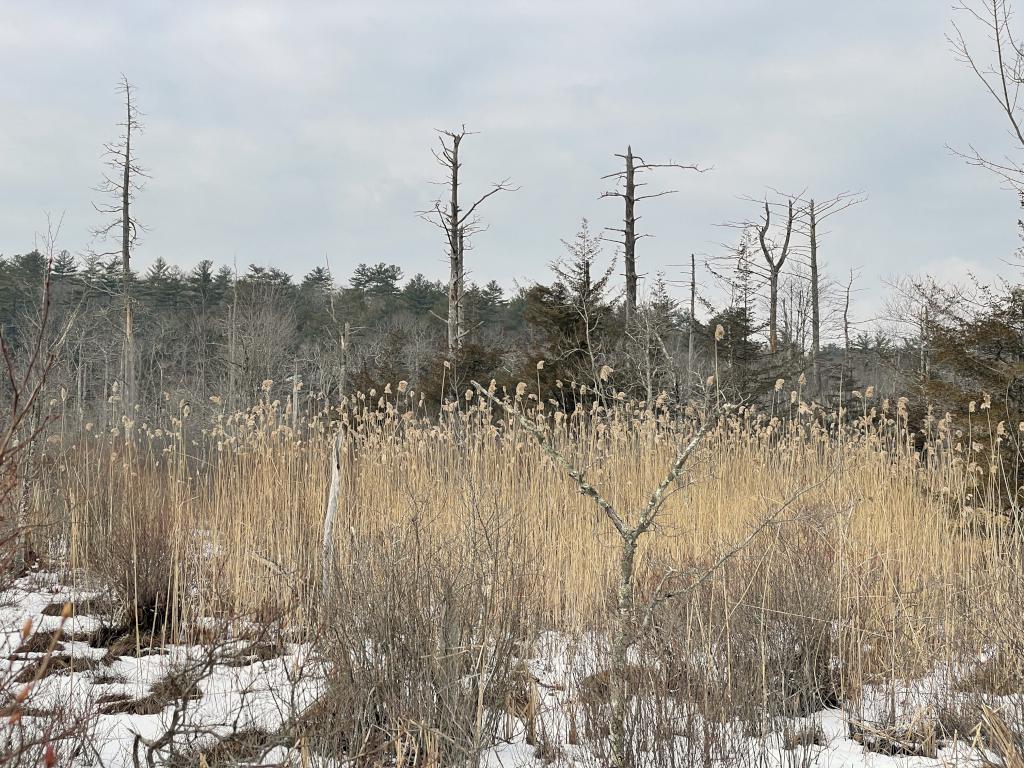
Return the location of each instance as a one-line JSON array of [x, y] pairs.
[[630, 535]]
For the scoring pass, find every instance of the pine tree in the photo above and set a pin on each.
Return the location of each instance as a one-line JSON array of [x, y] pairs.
[[377, 280], [64, 265]]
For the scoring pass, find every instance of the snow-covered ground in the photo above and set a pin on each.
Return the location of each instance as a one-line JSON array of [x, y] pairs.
[[127, 704]]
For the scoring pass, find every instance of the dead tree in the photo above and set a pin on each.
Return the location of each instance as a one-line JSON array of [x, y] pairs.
[[457, 223], [626, 188], [776, 244], [121, 182], [813, 216], [692, 320], [775, 256]]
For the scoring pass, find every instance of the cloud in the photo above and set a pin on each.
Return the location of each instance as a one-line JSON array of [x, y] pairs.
[[279, 132]]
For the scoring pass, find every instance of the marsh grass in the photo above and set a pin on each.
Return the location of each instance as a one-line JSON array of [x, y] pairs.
[[901, 557]]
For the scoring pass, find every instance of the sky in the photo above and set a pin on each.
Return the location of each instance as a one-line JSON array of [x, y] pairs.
[[297, 133]]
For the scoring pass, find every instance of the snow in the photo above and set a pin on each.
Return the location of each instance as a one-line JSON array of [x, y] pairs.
[[266, 694]]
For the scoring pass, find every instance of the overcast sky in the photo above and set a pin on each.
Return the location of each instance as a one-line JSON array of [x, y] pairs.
[[278, 133]]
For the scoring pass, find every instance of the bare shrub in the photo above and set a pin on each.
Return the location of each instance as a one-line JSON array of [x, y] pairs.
[[140, 563], [424, 636], [734, 655]]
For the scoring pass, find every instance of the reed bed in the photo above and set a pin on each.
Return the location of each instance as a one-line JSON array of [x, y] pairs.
[[236, 501], [895, 559]]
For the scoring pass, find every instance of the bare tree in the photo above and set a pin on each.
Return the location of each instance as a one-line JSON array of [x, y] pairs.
[[630, 533], [1002, 77], [775, 256], [814, 215], [457, 222], [121, 182], [627, 187], [692, 320]]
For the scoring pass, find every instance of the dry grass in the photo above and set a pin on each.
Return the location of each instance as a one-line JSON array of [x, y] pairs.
[[898, 560]]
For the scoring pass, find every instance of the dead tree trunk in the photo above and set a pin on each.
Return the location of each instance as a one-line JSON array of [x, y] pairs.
[[128, 365], [454, 252], [630, 236], [456, 223], [331, 514], [628, 178], [692, 322], [121, 182], [775, 257], [459, 309], [815, 299], [846, 322]]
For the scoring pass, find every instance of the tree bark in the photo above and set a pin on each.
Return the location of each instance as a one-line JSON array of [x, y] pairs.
[[774, 270], [455, 241], [621, 643], [331, 514], [128, 364], [815, 300], [630, 236], [693, 309]]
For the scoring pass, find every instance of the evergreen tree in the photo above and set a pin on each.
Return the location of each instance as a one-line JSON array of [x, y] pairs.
[[65, 265], [575, 311], [162, 285], [422, 296], [378, 280]]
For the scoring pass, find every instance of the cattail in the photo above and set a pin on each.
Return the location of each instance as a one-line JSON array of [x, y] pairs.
[[447, 364], [402, 386], [520, 389], [540, 365], [869, 392], [711, 380], [778, 384], [387, 388], [606, 371], [803, 380], [719, 333], [469, 395]]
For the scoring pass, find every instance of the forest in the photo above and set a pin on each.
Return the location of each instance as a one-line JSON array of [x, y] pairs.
[[353, 514]]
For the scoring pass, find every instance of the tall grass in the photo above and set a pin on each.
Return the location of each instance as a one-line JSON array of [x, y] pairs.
[[224, 515]]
